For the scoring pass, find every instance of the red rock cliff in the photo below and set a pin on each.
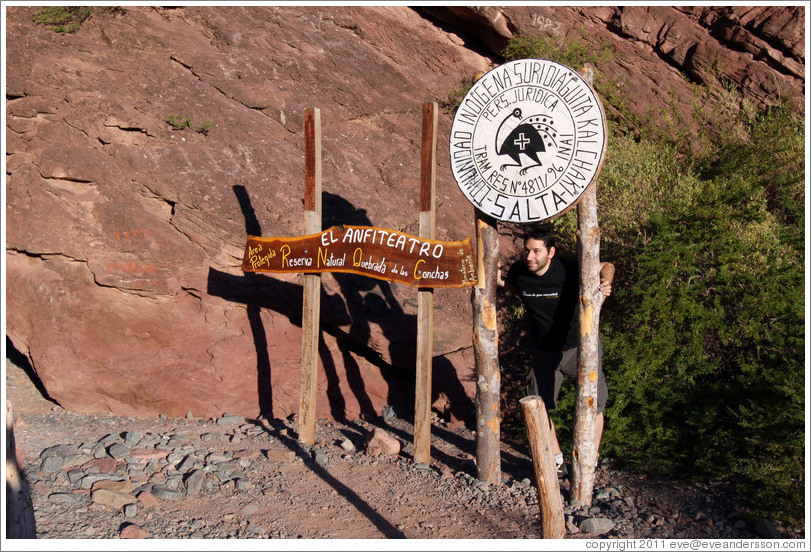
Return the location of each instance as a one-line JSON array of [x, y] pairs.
[[125, 235]]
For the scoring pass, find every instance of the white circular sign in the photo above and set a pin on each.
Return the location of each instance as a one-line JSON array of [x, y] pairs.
[[527, 140]]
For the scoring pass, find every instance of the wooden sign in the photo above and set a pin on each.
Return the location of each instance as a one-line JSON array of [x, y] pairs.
[[375, 252], [527, 140]]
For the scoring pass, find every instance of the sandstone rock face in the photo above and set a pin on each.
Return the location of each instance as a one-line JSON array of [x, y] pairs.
[[125, 233], [757, 48]]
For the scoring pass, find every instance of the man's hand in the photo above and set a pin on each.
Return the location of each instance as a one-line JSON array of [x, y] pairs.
[[606, 277]]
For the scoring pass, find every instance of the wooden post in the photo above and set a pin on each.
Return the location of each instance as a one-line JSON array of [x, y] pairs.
[[20, 521], [425, 296], [588, 247], [311, 308], [539, 431], [485, 348]]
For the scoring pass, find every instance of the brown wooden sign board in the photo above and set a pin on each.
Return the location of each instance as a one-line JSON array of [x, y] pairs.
[[375, 252]]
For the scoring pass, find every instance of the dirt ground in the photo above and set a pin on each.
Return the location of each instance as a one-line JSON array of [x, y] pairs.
[[334, 490], [324, 492]]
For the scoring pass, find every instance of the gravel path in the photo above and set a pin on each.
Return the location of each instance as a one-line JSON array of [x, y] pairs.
[[105, 477]]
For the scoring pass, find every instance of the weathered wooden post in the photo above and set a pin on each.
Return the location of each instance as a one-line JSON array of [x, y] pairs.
[[485, 348], [588, 249], [425, 296], [311, 309], [539, 431], [20, 521]]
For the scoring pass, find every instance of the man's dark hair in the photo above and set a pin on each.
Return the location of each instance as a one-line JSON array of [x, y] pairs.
[[541, 233]]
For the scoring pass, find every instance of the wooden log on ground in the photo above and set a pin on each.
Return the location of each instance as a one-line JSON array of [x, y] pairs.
[[539, 431]]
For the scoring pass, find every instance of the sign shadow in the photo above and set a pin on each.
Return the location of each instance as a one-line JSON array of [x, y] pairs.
[[357, 299], [263, 385], [306, 454], [349, 313]]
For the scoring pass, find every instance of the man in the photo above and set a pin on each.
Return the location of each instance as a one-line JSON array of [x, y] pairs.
[[549, 288]]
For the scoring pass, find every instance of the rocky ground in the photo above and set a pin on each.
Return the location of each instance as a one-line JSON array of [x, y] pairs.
[[105, 477]]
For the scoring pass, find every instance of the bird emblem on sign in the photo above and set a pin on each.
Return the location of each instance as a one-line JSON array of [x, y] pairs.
[[531, 136]]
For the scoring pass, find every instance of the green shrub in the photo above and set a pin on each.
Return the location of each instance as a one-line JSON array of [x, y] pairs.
[[574, 53], [705, 339], [67, 19], [457, 95], [180, 122]]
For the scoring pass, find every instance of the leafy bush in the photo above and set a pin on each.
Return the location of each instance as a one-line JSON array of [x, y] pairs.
[[457, 95], [67, 19], [573, 53], [705, 338]]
